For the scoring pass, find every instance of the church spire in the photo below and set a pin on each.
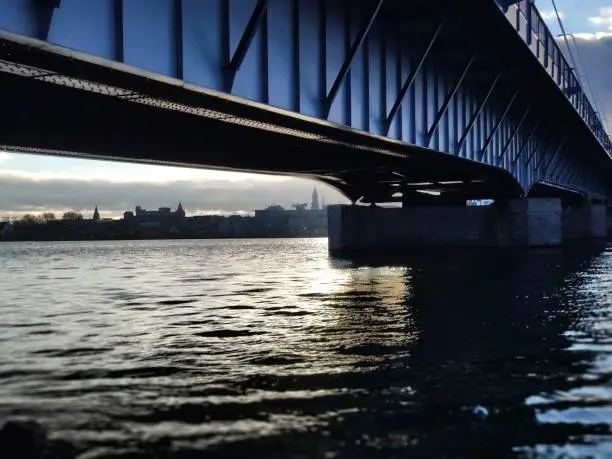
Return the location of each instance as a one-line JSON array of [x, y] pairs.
[[315, 200], [96, 214], [180, 212]]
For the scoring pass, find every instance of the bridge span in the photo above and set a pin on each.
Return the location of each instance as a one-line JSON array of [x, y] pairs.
[[420, 102]]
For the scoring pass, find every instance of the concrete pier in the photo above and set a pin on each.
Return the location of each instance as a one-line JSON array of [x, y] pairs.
[[534, 222], [589, 221]]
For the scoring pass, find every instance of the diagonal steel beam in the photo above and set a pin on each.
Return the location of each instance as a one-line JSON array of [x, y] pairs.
[[544, 153], [235, 61], [554, 172], [542, 156], [516, 130], [581, 180], [410, 80], [526, 142], [43, 10], [475, 116], [571, 176], [447, 102], [552, 158], [533, 153], [568, 178], [498, 124], [348, 61], [541, 160]]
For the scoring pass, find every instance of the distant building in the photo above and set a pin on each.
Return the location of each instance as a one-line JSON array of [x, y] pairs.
[[237, 226], [163, 222], [179, 213], [315, 200], [275, 221], [162, 213]]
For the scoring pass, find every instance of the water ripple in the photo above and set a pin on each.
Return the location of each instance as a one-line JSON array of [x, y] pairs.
[[269, 348]]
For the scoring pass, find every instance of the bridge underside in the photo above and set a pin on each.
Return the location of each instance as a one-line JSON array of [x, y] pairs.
[[386, 100], [70, 107]]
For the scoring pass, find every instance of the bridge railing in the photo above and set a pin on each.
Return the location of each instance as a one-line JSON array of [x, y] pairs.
[[533, 30]]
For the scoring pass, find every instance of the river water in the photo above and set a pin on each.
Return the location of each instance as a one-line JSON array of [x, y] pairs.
[[270, 348]]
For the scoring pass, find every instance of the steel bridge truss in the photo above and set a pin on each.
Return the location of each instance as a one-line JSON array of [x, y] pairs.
[[422, 74]]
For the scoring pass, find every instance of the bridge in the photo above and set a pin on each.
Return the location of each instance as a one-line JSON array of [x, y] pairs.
[[430, 103]]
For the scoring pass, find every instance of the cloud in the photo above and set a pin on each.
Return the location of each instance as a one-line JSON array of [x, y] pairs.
[[549, 15], [24, 192], [592, 36], [604, 19], [87, 169]]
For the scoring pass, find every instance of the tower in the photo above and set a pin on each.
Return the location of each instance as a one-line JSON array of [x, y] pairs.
[[315, 200], [180, 213], [96, 215]]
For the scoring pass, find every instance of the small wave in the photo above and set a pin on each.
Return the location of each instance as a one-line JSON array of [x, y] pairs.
[[276, 360], [141, 372], [175, 302], [249, 291], [188, 323], [367, 350], [42, 332], [291, 313], [21, 373], [76, 352], [227, 333], [313, 295], [201, 279], [365, 297], [182, 314]]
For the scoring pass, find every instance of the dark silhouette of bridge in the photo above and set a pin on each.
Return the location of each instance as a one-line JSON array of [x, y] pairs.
[[426, 101]]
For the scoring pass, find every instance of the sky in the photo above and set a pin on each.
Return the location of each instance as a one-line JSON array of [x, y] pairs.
[[35, 184], [590, 24]]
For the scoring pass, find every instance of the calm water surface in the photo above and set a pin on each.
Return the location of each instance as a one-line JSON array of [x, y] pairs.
[[270, 348]]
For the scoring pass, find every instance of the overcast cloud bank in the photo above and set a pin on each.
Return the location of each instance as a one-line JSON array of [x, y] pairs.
[[19, 194]]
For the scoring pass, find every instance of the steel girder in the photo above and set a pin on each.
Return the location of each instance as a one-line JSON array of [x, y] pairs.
[[420, 72]]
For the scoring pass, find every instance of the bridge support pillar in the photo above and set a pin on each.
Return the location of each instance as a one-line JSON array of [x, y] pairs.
[[589, 221], [533, 222]]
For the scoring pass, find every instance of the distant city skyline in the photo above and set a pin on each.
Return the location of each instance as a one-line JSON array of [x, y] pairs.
[[242, 195], [167, 222]]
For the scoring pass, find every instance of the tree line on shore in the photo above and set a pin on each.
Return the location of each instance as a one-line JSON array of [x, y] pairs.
[[46, 217]]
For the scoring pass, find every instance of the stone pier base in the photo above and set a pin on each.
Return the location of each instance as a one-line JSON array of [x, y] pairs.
[[533, 222], [590, 221]]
